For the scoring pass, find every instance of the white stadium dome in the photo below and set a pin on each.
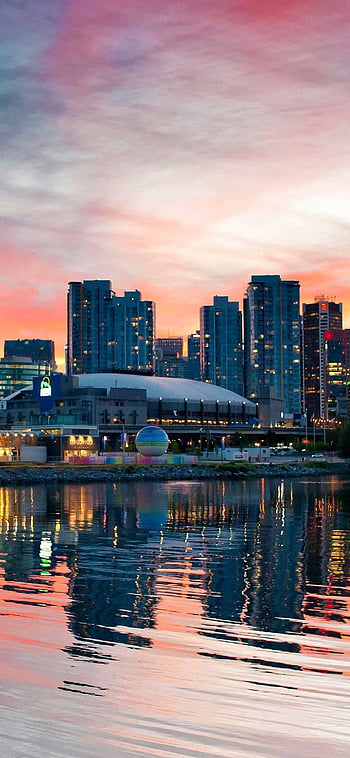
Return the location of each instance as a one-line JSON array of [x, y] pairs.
[[167, 388]]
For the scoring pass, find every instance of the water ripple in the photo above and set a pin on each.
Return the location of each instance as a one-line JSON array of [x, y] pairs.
[[183, 619]]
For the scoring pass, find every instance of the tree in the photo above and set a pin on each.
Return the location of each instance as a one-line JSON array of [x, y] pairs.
[[344, 441]]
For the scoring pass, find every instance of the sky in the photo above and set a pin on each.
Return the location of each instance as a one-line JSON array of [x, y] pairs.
[[173, 146]]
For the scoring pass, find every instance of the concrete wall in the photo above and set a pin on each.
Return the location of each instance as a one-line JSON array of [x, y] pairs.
[[32, 454]]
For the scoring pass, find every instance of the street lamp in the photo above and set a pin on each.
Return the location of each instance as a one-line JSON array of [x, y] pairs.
[[121, 422], [200, 438], [208, 441]]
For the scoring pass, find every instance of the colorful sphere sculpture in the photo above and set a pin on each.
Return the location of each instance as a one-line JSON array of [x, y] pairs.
[[152, 440]]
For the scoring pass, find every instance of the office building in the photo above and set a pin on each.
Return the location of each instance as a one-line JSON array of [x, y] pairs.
[[324, 357], [221, 355], [16, 373], [41, 352], [272, 340], [106, 332]]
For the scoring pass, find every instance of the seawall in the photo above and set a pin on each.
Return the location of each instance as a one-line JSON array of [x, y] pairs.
[[16, 474]]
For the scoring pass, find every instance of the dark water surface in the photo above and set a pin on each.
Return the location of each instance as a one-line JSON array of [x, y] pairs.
[[175, 619]]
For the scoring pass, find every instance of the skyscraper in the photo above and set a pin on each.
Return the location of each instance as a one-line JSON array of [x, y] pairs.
[[86, 314], [221, 354], [272, 339], [323, 357], [106, 332]]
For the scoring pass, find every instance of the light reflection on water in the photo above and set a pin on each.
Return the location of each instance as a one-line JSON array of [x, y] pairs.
[[175, 619]]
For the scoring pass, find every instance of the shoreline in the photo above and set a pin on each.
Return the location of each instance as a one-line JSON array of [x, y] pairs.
[[17, 474]]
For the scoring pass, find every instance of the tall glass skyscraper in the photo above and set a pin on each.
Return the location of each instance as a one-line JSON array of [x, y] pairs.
[[106, 332], [221, 355], [272, 339]]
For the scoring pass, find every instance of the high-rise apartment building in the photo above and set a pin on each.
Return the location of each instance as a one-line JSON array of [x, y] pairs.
[[86, 315], [221, 355], [324, 360], [272, 340], [106, 332], [194, 356], [130, 333]]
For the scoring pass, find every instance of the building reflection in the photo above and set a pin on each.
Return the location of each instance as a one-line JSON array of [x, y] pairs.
[[133, 557]]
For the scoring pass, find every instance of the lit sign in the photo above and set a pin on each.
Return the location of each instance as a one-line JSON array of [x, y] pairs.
[[80, 441], [45, 387]]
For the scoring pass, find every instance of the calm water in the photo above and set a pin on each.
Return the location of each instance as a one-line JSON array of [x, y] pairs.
[[182, 619]]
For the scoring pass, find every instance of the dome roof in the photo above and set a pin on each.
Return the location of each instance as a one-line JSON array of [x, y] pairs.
[[167, 388]]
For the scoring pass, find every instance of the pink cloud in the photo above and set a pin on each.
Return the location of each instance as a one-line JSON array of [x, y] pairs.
[[184, 147]]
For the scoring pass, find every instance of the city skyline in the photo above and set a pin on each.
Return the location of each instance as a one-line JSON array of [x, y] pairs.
[[176, 149], [166, 333]]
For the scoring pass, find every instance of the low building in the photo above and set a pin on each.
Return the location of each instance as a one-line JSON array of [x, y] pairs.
[[17, 372], [119, 404]]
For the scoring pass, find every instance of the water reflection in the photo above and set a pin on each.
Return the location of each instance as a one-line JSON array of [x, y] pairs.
[[254, 575]]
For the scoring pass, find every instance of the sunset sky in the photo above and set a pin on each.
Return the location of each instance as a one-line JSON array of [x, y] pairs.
[[173, 146]]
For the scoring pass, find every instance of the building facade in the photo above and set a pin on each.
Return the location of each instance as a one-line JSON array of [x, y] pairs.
[[272, 340], [170, 360], [170, 347], [324, 358], [221, 353], [106, 332]]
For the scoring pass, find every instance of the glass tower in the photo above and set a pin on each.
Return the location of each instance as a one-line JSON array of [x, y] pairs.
[[221, 356], [272, 339]]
